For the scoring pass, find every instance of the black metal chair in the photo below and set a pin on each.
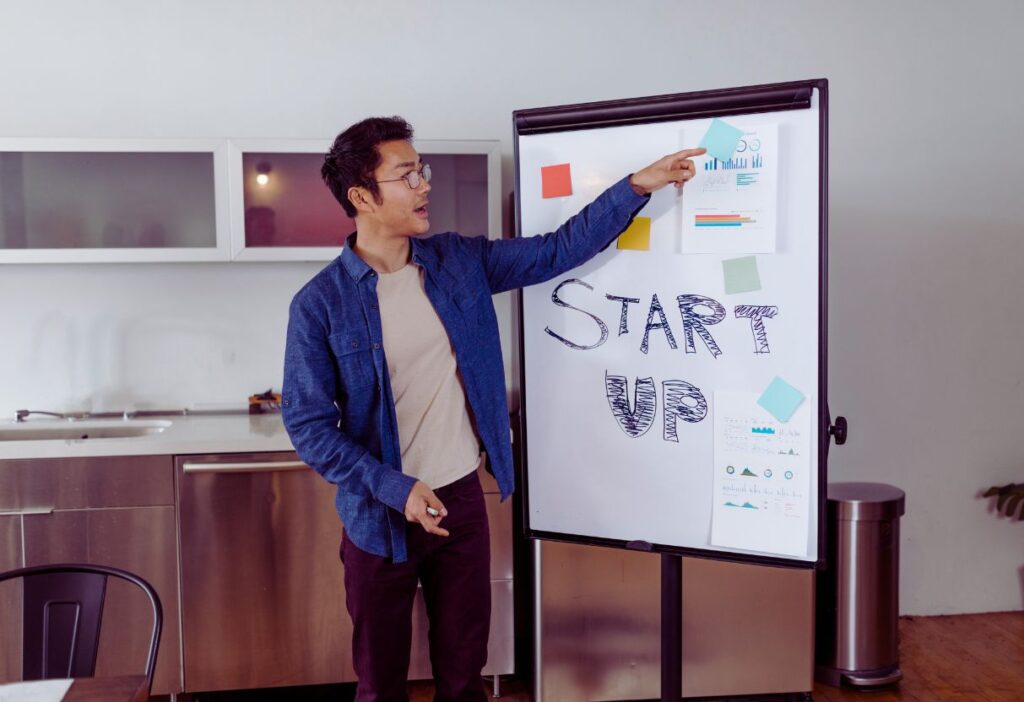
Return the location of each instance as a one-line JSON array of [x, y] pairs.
[[62, 614]]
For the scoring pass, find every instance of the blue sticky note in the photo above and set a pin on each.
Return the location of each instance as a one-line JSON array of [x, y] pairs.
[[721, 139], [781, 399]]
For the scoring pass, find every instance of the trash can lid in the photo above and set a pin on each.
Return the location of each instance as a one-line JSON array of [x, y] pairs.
[[866, 501]]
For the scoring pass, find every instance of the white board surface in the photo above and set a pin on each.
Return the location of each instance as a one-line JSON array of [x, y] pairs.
[[590, 474]]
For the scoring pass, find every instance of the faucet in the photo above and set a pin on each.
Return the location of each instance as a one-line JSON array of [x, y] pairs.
[[22, 413]]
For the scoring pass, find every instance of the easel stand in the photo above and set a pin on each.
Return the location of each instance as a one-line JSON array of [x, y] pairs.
[[671, 628]]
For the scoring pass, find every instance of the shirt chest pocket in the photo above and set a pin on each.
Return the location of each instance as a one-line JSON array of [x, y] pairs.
[[355, 360]]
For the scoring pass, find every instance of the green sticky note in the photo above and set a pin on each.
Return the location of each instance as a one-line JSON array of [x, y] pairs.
[[637, 236], [741, 275], [781, 399], [721, 139]]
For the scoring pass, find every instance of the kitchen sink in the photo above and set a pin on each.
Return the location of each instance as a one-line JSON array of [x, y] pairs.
[[79, 430]]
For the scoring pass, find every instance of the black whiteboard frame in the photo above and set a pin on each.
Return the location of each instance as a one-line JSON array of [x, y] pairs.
[[775, 97]]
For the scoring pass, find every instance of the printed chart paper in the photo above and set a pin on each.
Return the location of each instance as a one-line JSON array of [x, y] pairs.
[[762, 483], [731, 206]]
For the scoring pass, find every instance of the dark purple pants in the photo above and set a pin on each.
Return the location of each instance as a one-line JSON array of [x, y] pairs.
[[455, 572]]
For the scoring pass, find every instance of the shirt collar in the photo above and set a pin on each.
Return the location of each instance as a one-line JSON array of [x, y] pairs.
[[358, 268], [421, 253]]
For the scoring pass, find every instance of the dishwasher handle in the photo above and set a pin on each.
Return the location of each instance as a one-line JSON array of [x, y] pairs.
[[244, 467], [24, 511]]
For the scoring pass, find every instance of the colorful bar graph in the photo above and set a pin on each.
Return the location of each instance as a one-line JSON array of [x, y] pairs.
[[726, 220], [734, 163]]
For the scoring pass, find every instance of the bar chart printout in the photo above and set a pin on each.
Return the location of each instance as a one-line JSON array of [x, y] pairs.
[[761, 482], [730, 206]]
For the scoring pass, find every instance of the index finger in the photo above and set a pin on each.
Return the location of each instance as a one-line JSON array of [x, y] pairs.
[[689, 153]]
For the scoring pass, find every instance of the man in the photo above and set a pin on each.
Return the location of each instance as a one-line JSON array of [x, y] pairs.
[[394, 380]]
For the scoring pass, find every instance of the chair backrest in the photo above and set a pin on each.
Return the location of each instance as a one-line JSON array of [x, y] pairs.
[[62, 615]]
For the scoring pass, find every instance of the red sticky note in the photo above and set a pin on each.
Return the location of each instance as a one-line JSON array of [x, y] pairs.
[[556, 181]]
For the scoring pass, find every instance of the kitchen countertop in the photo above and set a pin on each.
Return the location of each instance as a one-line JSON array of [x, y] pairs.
[[229, 433]]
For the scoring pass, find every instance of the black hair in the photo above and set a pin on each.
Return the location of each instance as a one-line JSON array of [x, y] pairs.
[[354, 156]]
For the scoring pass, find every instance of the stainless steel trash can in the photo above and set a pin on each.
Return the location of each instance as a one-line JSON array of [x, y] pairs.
[[858, 592]]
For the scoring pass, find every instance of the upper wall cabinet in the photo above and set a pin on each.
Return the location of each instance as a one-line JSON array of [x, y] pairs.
[[124, 200], [103, 200], [281, 210]]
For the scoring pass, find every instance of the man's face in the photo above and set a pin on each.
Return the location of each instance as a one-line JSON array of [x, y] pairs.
[[402, 210]]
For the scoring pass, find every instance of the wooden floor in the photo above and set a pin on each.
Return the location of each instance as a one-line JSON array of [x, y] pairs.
[[965, 658]]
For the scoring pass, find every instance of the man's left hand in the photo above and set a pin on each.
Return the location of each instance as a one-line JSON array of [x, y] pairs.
[[675, 168]]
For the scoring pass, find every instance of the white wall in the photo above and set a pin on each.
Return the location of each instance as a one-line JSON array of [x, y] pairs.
[[926, 235]]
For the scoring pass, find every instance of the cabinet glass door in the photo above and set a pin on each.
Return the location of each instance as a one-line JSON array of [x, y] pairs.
[[287, 204], [282, 210], [111, 200]]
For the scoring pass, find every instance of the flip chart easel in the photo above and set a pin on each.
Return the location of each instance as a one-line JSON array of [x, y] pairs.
[[670, 491]]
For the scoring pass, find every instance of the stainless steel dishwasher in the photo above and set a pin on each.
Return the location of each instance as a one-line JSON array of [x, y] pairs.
[[262, 587], [263, 591]]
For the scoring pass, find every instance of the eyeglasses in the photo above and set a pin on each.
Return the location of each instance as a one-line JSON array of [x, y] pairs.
[[412, 178]]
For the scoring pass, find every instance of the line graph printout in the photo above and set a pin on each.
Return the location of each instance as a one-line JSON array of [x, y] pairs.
[[730, 206], [761, 483]]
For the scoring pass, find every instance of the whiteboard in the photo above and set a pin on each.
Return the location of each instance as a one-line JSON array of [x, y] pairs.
[[640, 427]]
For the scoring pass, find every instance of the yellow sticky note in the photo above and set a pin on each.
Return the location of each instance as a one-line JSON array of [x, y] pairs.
[[637, 236]]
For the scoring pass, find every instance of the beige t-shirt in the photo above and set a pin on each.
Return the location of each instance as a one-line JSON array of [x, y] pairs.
[[435, 433]]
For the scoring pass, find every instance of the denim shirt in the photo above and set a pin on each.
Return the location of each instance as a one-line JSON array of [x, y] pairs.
[[337, 402]]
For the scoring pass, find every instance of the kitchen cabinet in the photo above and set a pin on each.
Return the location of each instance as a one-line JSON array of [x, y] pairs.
[[282, 211], [114, 511], [10, 542], [254, 595], [99, 200], [263, 593], [10, 600], [144, 200]]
